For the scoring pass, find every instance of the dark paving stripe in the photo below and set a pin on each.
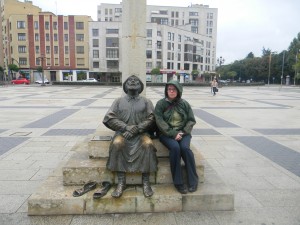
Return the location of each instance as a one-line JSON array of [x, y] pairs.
[[31, 107], [104, 93], [7, 143], [274, 104], [212, 119], [205, 132], [52, 119], [278, 131], [85, 102], [280, 154], [69, 132]]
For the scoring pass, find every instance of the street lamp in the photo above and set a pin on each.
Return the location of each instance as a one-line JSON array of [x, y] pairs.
[[282, 68], [298, 50], [42, 57], [270, 58], [220, 60]]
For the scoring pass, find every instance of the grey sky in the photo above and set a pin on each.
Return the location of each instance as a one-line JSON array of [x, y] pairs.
[[243, 25]]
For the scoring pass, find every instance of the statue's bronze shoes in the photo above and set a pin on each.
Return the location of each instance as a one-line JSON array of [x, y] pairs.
[[117, 193], [148, 192]]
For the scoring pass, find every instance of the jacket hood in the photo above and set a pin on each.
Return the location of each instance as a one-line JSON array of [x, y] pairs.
[[178, 87]]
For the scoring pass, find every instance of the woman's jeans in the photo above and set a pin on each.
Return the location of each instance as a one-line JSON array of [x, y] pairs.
[[177, 150]]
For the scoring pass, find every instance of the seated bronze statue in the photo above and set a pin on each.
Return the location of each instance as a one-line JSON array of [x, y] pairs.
[[131, 149]]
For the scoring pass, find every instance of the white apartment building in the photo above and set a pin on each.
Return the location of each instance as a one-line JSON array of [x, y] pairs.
[[179, 40]]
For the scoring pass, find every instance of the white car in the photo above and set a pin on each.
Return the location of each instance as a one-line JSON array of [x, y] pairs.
[[39, 81], [90, 80]]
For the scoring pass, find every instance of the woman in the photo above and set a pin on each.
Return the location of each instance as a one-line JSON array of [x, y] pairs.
[[214, 85], [175, 120]]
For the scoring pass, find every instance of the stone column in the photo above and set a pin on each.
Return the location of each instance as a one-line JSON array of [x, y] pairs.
[[134, 39]]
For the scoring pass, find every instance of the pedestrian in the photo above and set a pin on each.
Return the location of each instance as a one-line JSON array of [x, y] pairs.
[[214, 86], [175, 120]]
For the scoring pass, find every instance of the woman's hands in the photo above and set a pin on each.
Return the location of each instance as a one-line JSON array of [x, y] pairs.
[[179, 136]]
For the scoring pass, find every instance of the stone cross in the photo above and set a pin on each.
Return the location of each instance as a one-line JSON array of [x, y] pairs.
[[133, 40]]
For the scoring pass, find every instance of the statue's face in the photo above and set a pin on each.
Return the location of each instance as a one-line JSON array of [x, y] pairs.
[[133, 83]]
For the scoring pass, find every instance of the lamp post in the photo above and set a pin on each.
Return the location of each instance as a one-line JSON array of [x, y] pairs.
[[42, 57], [282, 68], [296, 60], [270, 59], [220, 60]]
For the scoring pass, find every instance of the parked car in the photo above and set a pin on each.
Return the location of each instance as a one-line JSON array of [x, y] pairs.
[[20, 81], [90, 80], [39, 81]]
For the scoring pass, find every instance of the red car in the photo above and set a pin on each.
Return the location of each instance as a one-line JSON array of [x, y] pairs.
[[20, 81]]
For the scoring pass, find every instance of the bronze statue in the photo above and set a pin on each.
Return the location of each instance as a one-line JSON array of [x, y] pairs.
[[131, 149]]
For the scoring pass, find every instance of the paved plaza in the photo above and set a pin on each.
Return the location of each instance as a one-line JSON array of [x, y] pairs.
[[248, 136]]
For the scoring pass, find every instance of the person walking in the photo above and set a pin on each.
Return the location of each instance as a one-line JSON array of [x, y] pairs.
[[175, 120], [214, 86]]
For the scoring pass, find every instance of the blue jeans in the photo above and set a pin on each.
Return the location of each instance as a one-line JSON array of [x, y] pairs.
[[177, 150]]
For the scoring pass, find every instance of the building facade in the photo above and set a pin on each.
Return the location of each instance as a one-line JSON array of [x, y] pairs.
[[180, 40], [43, 43]]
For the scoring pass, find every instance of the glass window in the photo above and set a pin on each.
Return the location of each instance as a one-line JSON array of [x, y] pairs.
[[55, 49], [55, 37], [36, 37], [95, 32], [66, 37], [36, 25], [149, 32], [79, 25], [66, 26], [47, 37], [22, 49], [95, 42], [37, 49], [80, 49], [46, 25], [112, 31], [112, 53], [149, 54], [66, 49], [95, 64], [79, 37], [55, 25], [95, 54], [21, 37], [21, 25], [23, 61], [112, 42]]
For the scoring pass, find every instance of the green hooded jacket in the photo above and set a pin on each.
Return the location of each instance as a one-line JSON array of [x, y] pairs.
[[164, 110]]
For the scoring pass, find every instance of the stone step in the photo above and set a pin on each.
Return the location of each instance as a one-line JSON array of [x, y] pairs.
[[53, 198], [98, 147], [80, 169]]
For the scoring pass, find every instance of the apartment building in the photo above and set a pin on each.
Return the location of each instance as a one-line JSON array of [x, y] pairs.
[[179, 40], [36, 40]]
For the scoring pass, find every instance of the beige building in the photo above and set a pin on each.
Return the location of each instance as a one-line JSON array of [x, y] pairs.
[[35, 40], [180, 40]]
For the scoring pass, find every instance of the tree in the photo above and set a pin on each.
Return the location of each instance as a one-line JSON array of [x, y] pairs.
[[155, 71], [250, 55], [231, 74]]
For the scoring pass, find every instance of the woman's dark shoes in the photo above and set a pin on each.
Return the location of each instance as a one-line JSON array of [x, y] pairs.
[[193, 188], [181, 188], [102, 191], [86, 188]]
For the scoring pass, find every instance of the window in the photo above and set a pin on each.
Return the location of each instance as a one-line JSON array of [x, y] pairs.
[[194, 30], [80, 49], [95, 42], [112, 64], [56, 62], [149, 54], [55, 49], [79, 37], [23, 61], [66, 26], [46, 25], [112, 31], [47, 37], [67, 63], [55, 25], [169, 35], [158, 44], [21, 37], [210, 16], [158, 55], [80, 61], [48, 49], [36, 37], [22, 49], [66, 37], [79, 25], [193, 14], [95, 64], [149, 32], [112, 42], [37, 49], [112, 53], [55, 37], [21, 24], [149, 65], [149, 43], [36, 25], [37, 61], [95, 32], [95, 54], [66, 49], [194, 22]]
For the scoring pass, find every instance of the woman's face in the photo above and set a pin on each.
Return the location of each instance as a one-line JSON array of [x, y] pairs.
[[172, 92]]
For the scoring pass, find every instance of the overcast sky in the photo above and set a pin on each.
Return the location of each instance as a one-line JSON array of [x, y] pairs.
[[244, 26]]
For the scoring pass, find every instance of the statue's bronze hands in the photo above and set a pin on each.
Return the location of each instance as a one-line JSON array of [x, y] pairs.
[[127, 135], [134, 129]]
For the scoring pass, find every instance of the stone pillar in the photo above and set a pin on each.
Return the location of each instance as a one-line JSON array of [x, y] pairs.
[[134, 39]]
